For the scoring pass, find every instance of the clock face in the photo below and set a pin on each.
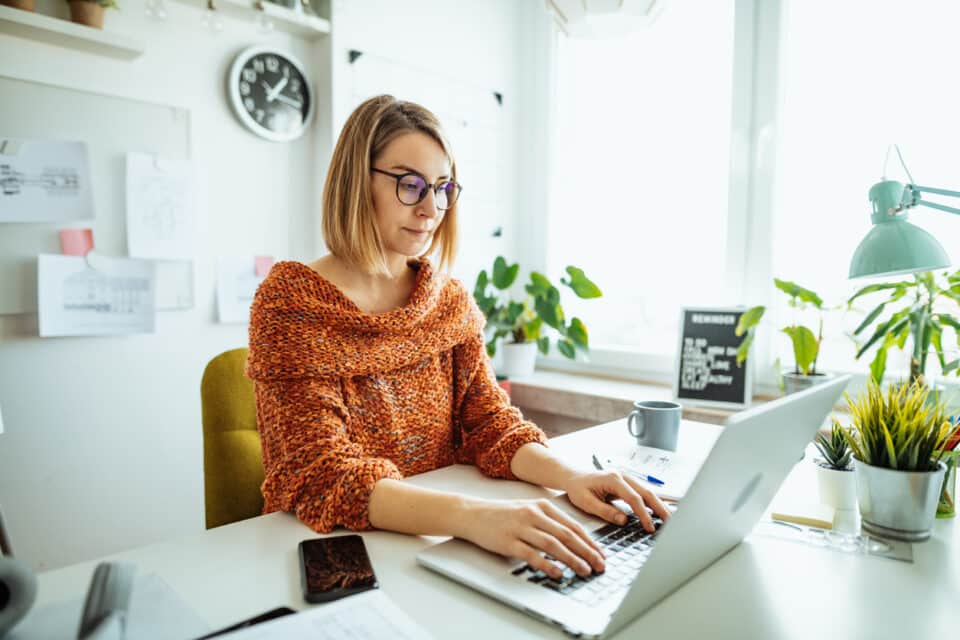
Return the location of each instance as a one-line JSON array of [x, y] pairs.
[[270, 93]]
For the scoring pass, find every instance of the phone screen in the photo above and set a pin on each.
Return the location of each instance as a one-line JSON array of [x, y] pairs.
[[332, 568]]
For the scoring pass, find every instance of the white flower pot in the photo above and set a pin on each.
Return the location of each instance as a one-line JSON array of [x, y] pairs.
[[838, 489], [518, 359]]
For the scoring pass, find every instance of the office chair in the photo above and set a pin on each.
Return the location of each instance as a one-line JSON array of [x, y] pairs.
[[232, 460]]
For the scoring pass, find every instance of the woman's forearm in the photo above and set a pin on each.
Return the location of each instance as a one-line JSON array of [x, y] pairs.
[[536, 464], [398, 506]]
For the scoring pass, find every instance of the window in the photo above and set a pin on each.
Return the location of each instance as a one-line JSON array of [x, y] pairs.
[[642, 206], [850, 88]]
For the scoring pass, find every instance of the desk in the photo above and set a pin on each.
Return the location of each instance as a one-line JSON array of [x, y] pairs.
[[764, 589]]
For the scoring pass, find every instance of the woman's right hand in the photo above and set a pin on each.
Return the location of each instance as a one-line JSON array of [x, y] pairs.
[[525, 529]]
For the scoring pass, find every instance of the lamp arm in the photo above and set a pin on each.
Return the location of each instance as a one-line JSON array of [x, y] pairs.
[[911, 198]]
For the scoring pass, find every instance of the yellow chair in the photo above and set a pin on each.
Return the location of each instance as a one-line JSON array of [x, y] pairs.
[[232, 460]]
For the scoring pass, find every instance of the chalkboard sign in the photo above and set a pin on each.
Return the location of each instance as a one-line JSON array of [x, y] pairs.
[[707, 372]]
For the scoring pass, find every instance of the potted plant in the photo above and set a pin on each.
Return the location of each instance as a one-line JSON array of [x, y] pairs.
[[835, 477], [921, 318], [523, 320], [806, 343], [897, 437], [90, 12]]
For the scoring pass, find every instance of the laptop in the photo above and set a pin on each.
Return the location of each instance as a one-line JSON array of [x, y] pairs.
[[754, 453]]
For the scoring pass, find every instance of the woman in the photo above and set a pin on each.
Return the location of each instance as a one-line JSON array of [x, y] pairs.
[[369, 366]]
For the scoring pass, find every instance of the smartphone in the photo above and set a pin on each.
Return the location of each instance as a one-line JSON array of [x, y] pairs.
[[332, 568], [263, 617]]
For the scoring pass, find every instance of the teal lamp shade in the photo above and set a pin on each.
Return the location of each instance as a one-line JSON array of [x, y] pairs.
[[893, 246]]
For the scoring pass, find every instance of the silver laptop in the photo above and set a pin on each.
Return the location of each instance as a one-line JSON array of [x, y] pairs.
[[754, 453]]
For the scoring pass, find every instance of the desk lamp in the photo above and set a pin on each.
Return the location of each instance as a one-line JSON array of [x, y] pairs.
[[894, 246]]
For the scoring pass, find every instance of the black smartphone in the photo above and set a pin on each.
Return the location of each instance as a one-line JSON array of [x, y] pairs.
[[263, 617], [332, 568]]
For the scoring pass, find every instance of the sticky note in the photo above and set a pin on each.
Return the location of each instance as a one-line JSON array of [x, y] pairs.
[[76, 242], [263, 264]]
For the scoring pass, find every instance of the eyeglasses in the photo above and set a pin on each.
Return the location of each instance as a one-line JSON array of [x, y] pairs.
[[412, 189]]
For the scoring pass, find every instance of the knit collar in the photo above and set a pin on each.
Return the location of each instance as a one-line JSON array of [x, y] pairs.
[[303, 324]]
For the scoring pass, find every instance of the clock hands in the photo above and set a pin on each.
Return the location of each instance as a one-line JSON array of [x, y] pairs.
[[289, 101], [273, 92]]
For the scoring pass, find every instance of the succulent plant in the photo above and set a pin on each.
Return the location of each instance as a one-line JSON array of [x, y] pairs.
[[834, 448], [900, 428]]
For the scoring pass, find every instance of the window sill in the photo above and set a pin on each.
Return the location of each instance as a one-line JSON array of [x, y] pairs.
[[561, 401]]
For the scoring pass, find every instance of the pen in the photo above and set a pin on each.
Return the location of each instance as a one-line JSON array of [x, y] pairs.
[[634, 472]]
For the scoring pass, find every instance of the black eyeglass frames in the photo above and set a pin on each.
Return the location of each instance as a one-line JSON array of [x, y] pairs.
[[412, 189]]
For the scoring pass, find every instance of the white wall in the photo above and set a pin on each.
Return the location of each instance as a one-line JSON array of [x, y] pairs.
[[102, 449]]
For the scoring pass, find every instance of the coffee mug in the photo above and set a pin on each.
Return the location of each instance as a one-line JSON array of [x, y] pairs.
[[655, 423]]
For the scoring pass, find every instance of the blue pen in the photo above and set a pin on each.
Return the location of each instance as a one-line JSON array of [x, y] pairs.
[[634, 472], [646, 476]]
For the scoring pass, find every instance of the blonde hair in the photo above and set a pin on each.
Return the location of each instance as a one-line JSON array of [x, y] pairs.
[[349, 227]]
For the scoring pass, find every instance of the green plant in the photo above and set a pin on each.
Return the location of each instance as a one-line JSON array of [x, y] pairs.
[[523, 320], [900, 428], [806, 344], [834, 447], [106, 4], [921, 318]]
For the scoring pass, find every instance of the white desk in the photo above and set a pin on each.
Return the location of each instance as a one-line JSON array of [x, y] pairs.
[[764, 589]]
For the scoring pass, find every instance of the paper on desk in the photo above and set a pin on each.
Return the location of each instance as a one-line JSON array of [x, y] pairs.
[[114, 296], [675, 469], [369, 615], [156, 612]]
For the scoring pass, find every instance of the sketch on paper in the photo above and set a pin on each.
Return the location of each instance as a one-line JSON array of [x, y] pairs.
[[237, 282], [74, 299], [42, 181], [160, 215]]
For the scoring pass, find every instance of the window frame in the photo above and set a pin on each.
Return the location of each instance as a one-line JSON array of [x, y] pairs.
[[755, 99]]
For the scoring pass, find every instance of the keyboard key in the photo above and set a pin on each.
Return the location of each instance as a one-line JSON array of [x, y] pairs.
[[520, 569]]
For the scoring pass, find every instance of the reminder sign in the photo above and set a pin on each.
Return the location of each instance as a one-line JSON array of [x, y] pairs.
[[707, 372]]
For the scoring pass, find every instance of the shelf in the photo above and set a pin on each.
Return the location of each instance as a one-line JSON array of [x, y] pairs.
[[288, 20], [63, 33]]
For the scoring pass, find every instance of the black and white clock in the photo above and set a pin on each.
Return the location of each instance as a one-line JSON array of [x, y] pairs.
[[270, 93]]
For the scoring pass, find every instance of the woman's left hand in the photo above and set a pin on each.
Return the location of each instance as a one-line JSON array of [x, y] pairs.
[[592, 491]]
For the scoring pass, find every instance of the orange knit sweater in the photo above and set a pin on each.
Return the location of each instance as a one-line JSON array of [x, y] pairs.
[[345, 398]]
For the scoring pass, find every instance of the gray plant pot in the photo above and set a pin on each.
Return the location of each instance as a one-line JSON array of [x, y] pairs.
[[898, 504], [793, 382]]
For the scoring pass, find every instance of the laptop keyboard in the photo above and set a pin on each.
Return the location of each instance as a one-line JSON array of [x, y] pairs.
[[626, 549]]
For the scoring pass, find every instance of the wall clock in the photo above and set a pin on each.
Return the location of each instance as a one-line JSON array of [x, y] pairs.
[[270, 93]]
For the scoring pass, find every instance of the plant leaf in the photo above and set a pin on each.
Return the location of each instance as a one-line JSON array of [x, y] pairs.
[[577, 332], [552, 314], [539, 284], [744, 349], [881, 331], [805, 347], [880, 287], [543, 344], [870, 318], [504, 275], [749, 319], [581, 284], [566, 348], [878, 365], [794, 290]]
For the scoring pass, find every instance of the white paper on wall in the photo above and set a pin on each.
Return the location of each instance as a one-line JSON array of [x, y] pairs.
[[237, 282], [44, 181], [160, 210], [94, 296]]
